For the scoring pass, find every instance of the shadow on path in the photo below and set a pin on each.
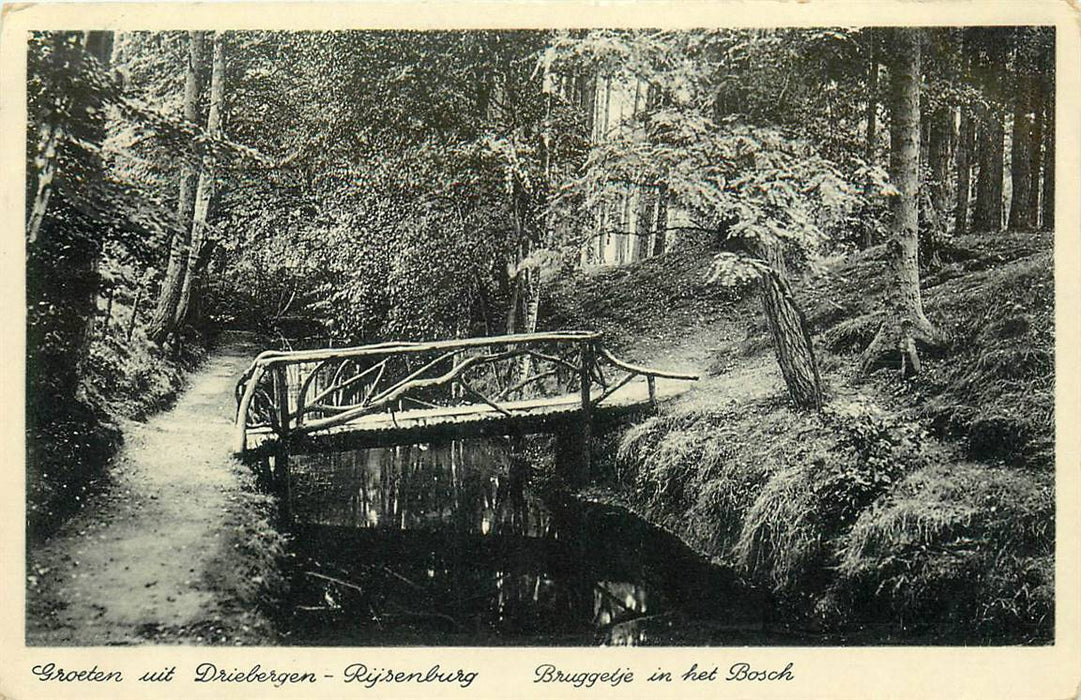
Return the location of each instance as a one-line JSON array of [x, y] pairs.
[[152, 556]]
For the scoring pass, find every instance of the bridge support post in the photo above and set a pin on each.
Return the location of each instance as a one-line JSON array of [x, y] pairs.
[[574, 442], [572, 453], [281, 483]]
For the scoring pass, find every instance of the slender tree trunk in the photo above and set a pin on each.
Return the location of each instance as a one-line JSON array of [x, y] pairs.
[[660, 238], [1021, 142], [936, 193], [987, 216], [872, 99], [50, 136], [204, 192], [1047, 206], [532, 288], [941, 135], [904, 321], [643, 221], [791, 341], [162, 324], [965, 140], [1031, 218], [867, 237]]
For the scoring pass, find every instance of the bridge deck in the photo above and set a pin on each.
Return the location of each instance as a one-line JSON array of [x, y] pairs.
[[475, 420]]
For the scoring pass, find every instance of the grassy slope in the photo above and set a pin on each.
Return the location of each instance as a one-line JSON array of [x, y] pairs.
[[924, 500]]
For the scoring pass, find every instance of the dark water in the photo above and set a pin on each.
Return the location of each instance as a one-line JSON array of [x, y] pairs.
[[450, 545]]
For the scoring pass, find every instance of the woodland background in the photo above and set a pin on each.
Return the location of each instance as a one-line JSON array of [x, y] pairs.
[[888, 195]]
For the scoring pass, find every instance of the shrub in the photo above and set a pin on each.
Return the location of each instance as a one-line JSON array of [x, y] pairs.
[[858, 453], [966, 545]]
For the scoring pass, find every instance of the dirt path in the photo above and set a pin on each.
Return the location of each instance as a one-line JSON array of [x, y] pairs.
[[155, 555]]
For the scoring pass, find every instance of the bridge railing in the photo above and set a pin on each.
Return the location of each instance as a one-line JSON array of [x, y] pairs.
[[305, 391]]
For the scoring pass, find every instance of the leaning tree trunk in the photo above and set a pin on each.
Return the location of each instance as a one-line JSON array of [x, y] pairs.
[[904, 321], [163, 323], [204, 192], [791, 341]]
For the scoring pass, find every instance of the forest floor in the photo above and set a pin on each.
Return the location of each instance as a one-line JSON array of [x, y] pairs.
[[168, 550], [895, 499]]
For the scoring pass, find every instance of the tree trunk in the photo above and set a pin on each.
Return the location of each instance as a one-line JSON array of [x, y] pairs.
[[163, 322], [204, 192], [988, 214], [791, 341], [867, 237], [643, 221], [872, 100], [1021, 141], [1031, 216], [660, 237], [904, 320], [1047, 206], [965, 141], [941, 135], [936, 194], [50, 136], [531, 304], [64, 243]]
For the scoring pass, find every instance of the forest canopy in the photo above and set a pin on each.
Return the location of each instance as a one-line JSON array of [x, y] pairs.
[[354, 186]]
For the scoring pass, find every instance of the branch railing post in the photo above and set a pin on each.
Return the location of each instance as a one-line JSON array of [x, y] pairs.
[[585, 437], [281, 390], [579, 353]]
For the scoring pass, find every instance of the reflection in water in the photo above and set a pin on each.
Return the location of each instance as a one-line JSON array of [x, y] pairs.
[[444, 544]]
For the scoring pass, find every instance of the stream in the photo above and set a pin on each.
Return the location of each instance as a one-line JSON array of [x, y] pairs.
[[449, 545]]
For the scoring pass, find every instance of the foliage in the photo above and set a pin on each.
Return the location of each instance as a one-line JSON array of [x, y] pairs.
[[965, 545], [995, 392], [861, 516], [424, 184]]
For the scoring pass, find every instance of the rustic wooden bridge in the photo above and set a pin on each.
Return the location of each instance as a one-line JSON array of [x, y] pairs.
[[566, 383]]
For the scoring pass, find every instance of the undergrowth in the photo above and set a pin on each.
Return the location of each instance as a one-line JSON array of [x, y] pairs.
[[249, 566], [920, 504], [69, 446]]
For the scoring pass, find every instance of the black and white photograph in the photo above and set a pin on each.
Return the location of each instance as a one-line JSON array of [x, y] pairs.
[[695, 337]]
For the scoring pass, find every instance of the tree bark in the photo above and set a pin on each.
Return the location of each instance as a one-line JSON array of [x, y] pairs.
[[962, 157], [163, 323], [904, 320], [1047, 205], [791, 341], [987, 216], [871, 136], [867, 237], [937, 194], [1021, 141], [660, 237], [204, 192], [1031, 219], [643, 221]]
